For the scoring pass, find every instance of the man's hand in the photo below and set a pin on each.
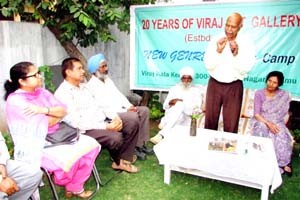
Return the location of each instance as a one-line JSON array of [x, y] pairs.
[[132, 109], [173, 102], [234, 47], [3, 172], [221, 44], [115, 125], [8, 186]]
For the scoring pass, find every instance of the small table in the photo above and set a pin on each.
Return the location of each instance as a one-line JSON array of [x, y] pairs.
[[240, 159]]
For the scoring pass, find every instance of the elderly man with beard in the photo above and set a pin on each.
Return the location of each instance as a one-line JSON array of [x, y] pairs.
[[182, 100], [114, 103]]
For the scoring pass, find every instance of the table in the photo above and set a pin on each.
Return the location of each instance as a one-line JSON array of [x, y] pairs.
[[240, 159]]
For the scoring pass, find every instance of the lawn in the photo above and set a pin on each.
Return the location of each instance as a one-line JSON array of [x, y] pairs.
[[148, 184]]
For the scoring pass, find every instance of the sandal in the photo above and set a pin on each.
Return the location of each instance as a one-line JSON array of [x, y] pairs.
[[134, 159], [288, 170], [83, 195], [125, 166]]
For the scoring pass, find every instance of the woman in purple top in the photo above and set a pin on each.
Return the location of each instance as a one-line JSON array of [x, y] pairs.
[[271, 105]]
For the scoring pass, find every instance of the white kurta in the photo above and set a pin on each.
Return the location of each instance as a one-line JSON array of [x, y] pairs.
[[180, 113]]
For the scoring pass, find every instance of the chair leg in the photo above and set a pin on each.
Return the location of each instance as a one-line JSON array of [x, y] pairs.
[[97, 180], [52, 186], [95, 175]]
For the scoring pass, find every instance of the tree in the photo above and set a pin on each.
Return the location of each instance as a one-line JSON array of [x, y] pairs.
[[76, 22]]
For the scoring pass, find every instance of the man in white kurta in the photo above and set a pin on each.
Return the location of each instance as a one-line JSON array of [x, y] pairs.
[[228, 59], [183, 99], [114, 103]]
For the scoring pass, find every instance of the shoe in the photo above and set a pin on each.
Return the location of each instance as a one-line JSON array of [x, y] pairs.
[[147, 150], [83, 195], [156, 139], [140, 154], [125, 166]]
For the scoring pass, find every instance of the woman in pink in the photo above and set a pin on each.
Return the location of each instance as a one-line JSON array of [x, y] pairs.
[[32, 112]]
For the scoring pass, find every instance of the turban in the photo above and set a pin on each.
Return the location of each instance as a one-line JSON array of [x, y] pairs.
[[186, 71], [94, 62]]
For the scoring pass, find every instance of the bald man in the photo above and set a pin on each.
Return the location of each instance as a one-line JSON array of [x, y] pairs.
[[228, 58]]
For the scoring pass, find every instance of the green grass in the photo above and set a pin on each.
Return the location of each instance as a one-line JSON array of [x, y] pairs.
[[148, 184]]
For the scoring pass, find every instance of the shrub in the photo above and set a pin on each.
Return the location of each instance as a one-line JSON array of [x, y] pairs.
[[296, 135], [156, 108], [9, 143], [48, 74]]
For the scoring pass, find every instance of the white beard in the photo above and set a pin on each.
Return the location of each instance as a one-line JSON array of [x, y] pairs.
[[101, 76], [185, 86]]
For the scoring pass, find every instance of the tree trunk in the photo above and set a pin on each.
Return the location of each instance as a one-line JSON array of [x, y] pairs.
[[71, 49]]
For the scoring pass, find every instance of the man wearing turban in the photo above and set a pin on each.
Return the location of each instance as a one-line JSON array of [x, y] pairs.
[[181, 101], [115, 103]]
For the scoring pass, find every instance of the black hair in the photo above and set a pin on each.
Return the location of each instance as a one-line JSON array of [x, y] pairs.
[[279, 76], [18, 71], [68, 64]]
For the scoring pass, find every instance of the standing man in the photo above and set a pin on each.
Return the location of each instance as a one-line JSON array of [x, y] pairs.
[[114, 102], [183, 99], [84, 113], [228, 59], [18, 180]]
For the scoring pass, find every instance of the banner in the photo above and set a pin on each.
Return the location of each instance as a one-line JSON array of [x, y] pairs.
[[166, 38]]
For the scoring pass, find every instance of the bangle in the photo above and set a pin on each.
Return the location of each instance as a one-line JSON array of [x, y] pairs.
[[48, 110]]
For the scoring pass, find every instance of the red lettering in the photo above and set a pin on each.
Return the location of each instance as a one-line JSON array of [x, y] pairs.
[[276, 21], [255, 21], [291, 19], [275, 24], [298, 19], [283, 21], [209, 23], [165, 23]]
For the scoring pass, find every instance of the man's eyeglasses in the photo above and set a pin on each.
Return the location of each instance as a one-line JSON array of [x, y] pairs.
[[36, 75]]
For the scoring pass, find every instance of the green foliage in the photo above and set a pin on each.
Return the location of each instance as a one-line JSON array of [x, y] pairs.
[[296, 135], [156, 108], [84, 21], [9, 143], [48, 74]]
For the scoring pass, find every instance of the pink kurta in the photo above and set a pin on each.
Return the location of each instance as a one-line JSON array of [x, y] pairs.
[[29, 132]]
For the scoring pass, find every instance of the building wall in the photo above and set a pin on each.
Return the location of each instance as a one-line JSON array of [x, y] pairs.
[[35, 43]]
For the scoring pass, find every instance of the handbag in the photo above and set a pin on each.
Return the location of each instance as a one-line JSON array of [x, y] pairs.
[[65, 134]]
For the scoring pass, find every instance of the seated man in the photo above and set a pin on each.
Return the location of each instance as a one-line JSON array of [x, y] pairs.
[[18, 180], [115, 103], [183, 99], [84, 113]]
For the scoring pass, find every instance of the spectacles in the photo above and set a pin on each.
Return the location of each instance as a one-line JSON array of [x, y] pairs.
[[36, 75]]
